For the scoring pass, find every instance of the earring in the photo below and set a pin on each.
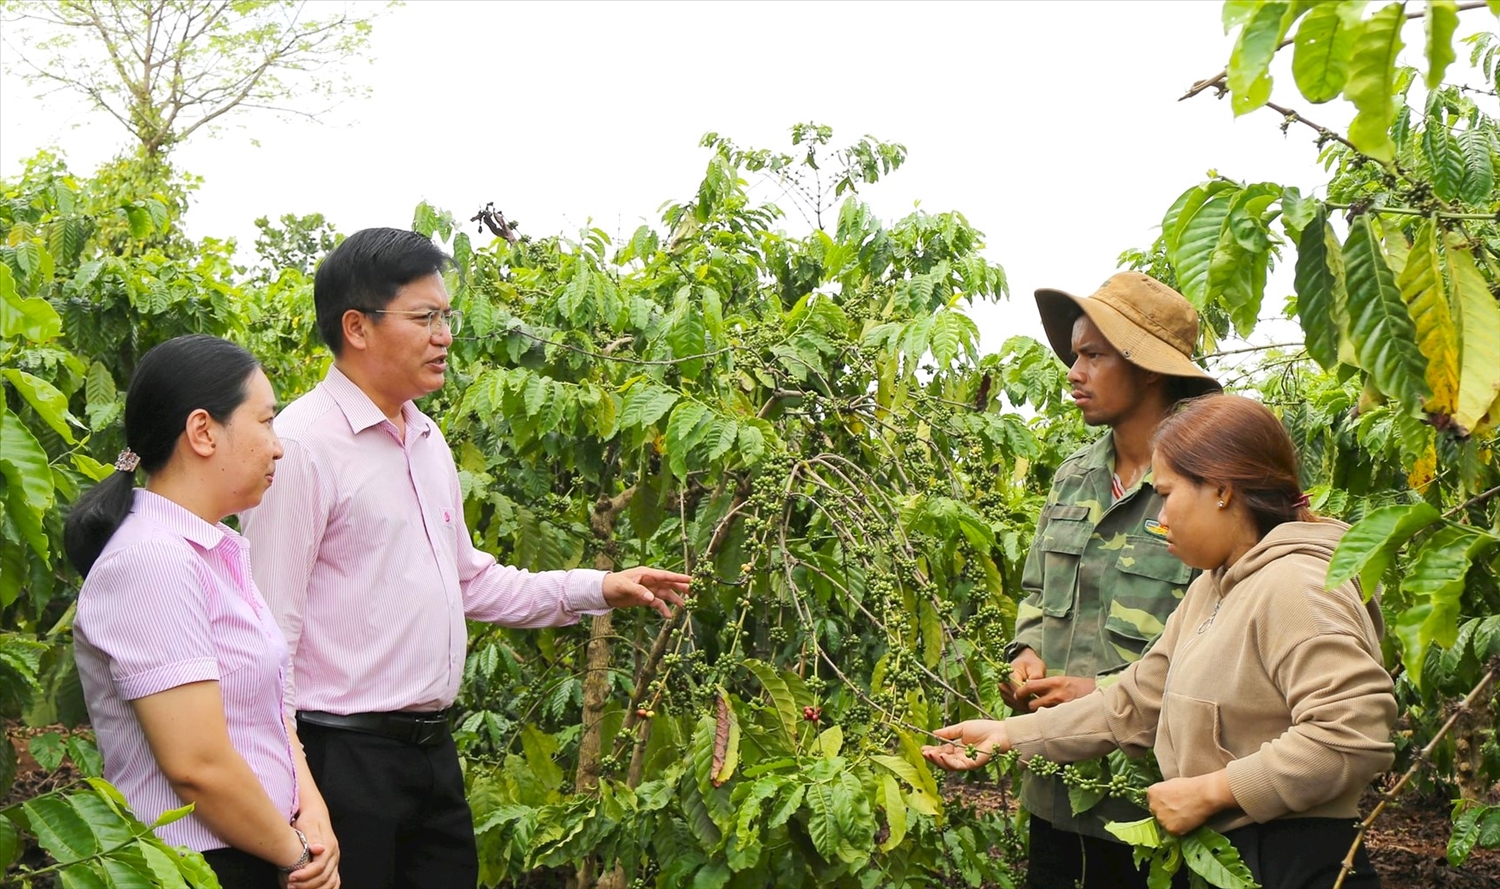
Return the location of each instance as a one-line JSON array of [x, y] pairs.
[[1221, 504]]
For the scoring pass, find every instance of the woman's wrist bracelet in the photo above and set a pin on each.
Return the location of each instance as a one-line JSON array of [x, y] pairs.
[[302, 861]]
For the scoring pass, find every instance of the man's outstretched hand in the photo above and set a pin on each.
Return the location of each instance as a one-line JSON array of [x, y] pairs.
[[641, 585]]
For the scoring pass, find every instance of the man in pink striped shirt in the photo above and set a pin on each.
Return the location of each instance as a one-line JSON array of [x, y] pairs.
[[362, 551]]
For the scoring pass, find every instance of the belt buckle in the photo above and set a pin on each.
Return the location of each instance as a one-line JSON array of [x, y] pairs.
[[426, 730]]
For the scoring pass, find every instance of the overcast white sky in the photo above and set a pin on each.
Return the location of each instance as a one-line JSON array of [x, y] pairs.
[[1053, 126]]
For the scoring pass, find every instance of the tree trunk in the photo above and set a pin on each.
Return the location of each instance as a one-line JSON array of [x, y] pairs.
[[596, 679]]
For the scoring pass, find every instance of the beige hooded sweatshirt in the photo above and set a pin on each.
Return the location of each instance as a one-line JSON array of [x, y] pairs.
[[1260, 670]]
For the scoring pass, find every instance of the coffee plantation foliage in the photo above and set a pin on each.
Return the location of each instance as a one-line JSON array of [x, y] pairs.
[[806, 424]]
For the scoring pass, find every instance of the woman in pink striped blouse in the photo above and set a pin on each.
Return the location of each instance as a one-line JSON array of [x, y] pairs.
[[182, 663]]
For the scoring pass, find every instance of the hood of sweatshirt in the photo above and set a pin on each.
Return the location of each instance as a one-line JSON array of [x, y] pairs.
[[1315, 539]]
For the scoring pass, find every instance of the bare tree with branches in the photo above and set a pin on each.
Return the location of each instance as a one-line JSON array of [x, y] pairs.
[[166, 68]]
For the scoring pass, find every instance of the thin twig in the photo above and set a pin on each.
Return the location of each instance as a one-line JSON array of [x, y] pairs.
[[1472, 501], [1417, 762], [1253, 349], [604, 357], [1412, 211]]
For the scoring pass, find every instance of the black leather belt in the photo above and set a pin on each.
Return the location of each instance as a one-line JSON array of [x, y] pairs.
[[422, 729]]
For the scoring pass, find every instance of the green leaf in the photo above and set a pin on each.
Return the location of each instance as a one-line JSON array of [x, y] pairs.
[[1237, 12], [84, 876], [721, 437], [139, 221], [688, 426], [161, 866], [896, 813], [687, 335], [127, 872], [90, 467], [781, 697], [1444, 158], [1372, 82], [1145, 832], [24, 463], [1379, 325], [1297, 212], [1248, 81], [47, 750], [85, 756], [1083, 797], [195, 870], [1479, 166], [953, 333], [1198, 236], [1319, 284], [645, 404], [1479, 340], [31, 318], [1211, 856], [59, 829], [171, 815], [1441, 20], [714, 875], [823, 820], [1465, 833], [1237, 278], [752, 444], [1437, 574], [1247, 221], [830, 741], [1423, 288], [1368, 548], [10, 842], [1320, 54], [48, 402], [540, 750], [791, 801]]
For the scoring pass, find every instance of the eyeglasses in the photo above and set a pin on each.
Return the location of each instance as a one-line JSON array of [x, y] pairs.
[[450, 319]]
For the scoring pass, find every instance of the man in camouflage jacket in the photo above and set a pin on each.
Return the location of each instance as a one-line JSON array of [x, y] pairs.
[[1100, 582]]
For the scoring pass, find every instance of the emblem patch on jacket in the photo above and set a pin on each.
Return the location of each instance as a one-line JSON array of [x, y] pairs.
[[1156, 529]]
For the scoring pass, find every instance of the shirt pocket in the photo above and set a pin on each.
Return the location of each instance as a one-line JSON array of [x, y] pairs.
[[1195, 731], [1062, 545], [1149, 583]]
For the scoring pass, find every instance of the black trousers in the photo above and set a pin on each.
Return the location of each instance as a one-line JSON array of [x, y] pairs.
[[1061, 859], [398, 809], [1302, 853], [241, 870]]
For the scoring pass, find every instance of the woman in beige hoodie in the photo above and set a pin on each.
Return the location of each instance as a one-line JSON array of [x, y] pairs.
[[1265, 698]]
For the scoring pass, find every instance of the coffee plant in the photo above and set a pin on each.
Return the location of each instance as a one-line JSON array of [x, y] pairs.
[[804, 423]]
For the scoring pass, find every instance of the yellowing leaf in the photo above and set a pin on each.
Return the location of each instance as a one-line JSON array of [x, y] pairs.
[[1479, 344], [1424, 291], [726, 741], [1424, 470]]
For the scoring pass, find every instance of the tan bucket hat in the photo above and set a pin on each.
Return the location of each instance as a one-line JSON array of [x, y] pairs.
[[1152, 325]]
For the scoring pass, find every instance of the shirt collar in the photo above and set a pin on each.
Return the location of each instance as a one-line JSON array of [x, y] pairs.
[[361, 412], [1101, 455], [179, 520]]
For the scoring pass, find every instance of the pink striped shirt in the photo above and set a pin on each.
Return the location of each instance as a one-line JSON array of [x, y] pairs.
[[363, 552], [169, 602]]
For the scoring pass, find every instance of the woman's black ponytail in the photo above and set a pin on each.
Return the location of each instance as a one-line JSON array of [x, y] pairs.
[[173, 379]]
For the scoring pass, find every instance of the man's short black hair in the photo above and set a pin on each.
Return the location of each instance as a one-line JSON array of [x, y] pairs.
[[365, 271]]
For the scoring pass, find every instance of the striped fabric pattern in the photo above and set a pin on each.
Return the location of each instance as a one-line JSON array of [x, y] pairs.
[[169, 602], [362, 550]]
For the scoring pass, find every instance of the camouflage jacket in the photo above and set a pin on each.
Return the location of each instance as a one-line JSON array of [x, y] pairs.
[[1100, 585]]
